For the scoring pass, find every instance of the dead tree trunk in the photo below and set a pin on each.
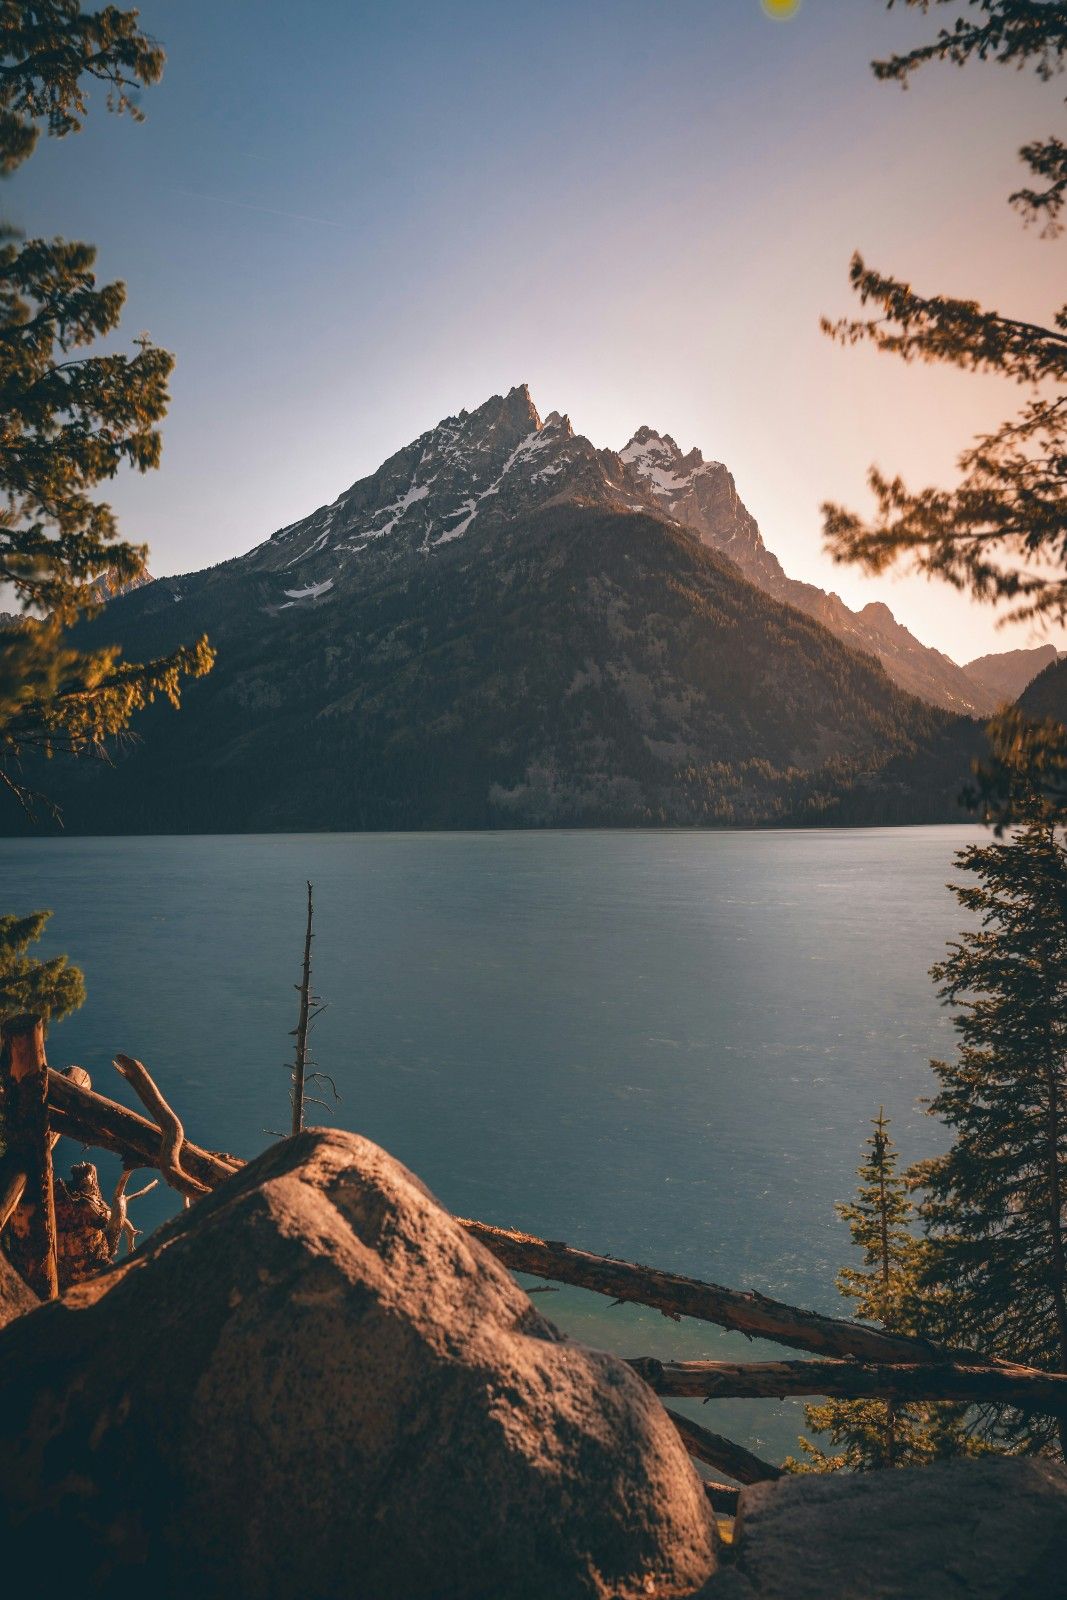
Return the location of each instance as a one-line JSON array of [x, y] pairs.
[[746, 1311], [82, 1216], [1022, 1387], [28, 1156], [92, 1119], [301, 1030]]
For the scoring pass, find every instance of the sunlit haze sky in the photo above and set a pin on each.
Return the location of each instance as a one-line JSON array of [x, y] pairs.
[[349, 220]]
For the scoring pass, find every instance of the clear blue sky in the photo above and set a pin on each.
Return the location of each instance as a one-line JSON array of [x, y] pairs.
[[348, 220]]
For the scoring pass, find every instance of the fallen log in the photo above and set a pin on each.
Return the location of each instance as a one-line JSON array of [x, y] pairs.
[[92, 1119], [715, 1451], [745, 1311], [1025, 1388]]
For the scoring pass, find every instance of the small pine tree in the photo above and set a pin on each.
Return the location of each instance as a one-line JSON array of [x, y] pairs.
[[995, 1206], [47, 989], [868, 1434]]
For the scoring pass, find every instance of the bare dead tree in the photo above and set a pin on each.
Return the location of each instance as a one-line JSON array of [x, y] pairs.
[[311, 1006]]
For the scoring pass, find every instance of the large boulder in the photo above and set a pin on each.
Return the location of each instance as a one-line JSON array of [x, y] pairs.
[[314, 1385], [991, 1529]]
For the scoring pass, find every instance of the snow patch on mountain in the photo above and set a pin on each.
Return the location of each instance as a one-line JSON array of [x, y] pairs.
[[417, 492], [657, 459], [312, 592], [526, 448]]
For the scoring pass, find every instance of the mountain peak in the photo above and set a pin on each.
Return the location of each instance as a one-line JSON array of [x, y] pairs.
[[559, 423], [478, 467], [513, 412], [657, 459]]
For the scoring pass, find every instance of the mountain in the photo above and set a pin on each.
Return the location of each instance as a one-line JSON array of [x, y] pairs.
[[502, 626], [1006, 674], [108, 586], [1046, 695], [702, 495]]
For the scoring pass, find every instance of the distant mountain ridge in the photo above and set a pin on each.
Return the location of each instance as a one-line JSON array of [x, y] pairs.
[[504, 625], [702, 495], [1046, 695], [431, 493], [1007, 673]]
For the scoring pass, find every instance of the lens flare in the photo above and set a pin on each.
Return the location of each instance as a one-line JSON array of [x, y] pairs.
[[781, 10]]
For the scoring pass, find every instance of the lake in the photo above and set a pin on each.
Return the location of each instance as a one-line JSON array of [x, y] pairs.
[[664, 1046]]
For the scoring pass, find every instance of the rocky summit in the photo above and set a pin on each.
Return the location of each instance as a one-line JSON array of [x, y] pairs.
[[507, 626]]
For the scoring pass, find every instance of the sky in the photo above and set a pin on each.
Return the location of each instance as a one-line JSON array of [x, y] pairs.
[[349, 220]]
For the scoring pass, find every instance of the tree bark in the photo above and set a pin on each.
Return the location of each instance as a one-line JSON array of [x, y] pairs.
[[743, 1310], [1022, 1387], [93, 1119], [172, 1134], [24, 1078]]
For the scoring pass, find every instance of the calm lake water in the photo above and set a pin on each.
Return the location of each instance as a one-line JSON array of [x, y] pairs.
[[663, 1046]]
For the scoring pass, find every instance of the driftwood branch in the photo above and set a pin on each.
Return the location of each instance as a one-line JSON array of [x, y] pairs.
[[172, 1134], [118, 1219], [92, 1119], [1022, 1387], [119, 1225], [715, 1451], [677, 1296]]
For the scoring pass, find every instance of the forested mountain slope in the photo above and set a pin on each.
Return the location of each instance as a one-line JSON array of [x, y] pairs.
[[501, 627]]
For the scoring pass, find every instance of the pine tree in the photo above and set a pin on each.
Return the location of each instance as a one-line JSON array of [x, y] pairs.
[[871, 1433], [995, 1205], [865, 1435], [68, 421], [46, 989], [1001, 532]]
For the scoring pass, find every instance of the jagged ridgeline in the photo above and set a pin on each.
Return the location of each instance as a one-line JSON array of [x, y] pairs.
[[507, 627]]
